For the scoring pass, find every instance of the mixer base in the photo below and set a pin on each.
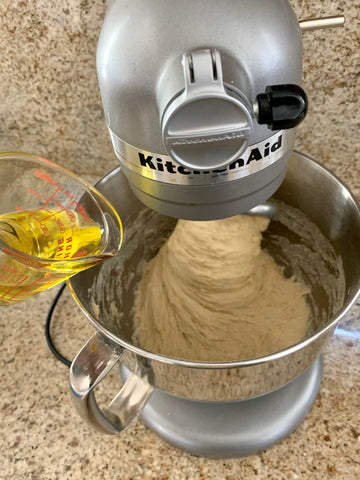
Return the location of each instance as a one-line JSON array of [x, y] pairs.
[[233, 429]]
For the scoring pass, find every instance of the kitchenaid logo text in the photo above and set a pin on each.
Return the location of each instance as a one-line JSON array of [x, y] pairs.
[[192, 141], [168, 166], [163, 168]]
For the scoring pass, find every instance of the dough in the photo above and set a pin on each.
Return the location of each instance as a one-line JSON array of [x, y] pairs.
[[212, 294]]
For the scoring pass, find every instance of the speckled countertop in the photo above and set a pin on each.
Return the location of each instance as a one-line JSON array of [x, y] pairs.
[[50, 105]]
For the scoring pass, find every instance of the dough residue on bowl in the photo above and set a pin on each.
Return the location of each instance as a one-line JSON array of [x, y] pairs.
[[212, 294]]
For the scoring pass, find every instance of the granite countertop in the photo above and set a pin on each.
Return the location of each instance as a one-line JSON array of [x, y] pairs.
[[50, 105]]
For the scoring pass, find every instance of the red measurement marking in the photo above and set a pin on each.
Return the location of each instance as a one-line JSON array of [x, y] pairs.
[[82, 211], [64, 248], [14, 286], [71, 215], [68, 194], [22, 259], [25, 288], [80, 254], [54, 198], [36, 194], [9, 269], [45, 177], [4, 277], [60, 225], [68, 247]]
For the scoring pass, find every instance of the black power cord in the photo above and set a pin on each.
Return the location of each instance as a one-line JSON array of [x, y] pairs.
[[50, 343]]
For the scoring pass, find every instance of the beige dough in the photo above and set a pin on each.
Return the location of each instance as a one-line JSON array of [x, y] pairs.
[[212, 294]]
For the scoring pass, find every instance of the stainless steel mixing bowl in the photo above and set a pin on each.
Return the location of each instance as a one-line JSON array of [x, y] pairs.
[[314, 234]]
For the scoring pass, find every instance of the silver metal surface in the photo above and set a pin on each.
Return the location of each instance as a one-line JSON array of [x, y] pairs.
[[165, 186], [206, 125], [323, 22], [164, 169], [267, 209], [106, 293], [95, 360], [132, 68], [141, 81], [233, 429]]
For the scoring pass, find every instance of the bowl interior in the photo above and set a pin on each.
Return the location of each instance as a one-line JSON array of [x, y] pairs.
[[315, 237]]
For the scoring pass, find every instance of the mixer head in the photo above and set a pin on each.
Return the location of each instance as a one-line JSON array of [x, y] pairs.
[[202, 99]]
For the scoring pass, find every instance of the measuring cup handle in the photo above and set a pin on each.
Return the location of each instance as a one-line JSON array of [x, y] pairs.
[[90, 366]]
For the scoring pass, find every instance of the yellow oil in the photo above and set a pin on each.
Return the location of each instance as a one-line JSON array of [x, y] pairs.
[[64, 235]]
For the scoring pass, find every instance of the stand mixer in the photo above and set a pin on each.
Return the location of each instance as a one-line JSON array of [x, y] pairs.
[[201, 99], [201, 108]]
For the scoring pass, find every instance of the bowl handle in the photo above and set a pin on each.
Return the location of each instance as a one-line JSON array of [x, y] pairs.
[[90, 366]]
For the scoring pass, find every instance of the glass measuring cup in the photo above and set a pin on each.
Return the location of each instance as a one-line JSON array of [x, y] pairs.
[[52, 226]]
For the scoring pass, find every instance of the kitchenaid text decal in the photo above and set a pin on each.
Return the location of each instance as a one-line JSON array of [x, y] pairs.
[[163, 168]]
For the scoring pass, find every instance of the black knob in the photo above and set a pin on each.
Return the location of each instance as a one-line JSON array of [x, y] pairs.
[[282, 106]]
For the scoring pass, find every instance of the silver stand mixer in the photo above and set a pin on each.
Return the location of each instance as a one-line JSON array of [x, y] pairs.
[[201, 99]]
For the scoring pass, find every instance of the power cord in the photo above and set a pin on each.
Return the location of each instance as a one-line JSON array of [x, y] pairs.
[[50, 343]]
